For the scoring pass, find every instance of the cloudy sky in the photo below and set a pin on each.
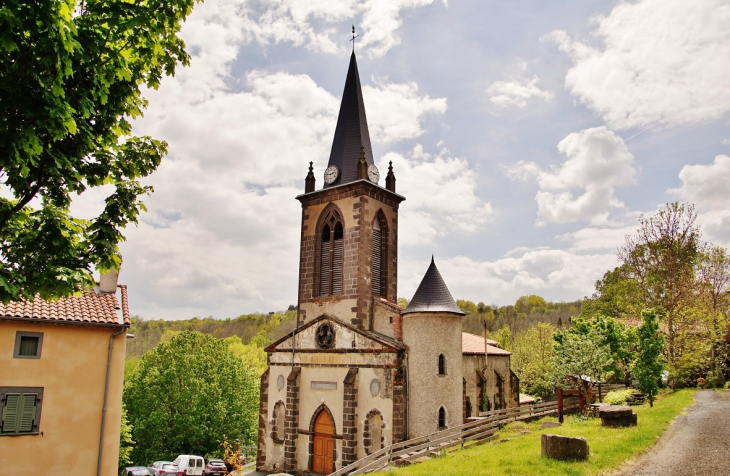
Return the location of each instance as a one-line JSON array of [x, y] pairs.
[[527, 136]]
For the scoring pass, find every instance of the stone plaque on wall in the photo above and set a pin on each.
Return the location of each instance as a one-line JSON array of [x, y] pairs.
[[316, 385], [375, 387]]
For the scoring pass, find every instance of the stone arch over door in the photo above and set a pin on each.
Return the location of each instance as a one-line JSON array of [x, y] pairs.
[[322, 432], [373, 431]]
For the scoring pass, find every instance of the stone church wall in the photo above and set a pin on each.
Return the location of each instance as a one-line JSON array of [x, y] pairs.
[[427, 335]]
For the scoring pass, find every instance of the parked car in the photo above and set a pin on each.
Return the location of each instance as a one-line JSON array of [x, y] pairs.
[[215, 467], [164, 468], [135, 471], [191, 465]]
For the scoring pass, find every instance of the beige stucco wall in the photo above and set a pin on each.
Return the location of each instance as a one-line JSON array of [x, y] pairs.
[[382, 316], [72, 371], [331, 306], [275, 451], [427, 335], [366, 402]]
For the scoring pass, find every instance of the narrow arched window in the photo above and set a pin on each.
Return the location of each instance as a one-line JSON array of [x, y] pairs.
[[331, 255], [377, 280], [442, 418], [442, 364], [279, 416]]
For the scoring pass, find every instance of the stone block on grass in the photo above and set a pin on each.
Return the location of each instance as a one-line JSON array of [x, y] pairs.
[[564, 448], [617, 416]]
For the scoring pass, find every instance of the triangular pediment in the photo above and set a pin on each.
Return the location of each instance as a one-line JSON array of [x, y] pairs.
[[329, 334]]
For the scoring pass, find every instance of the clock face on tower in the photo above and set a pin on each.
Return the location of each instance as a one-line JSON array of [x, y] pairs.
[[330, 175], [373, 174]]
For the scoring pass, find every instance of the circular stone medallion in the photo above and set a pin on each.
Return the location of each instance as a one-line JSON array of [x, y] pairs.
[[280, 382], [325, 336]]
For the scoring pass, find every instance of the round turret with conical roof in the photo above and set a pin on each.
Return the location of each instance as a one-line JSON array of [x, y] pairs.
[[432, 335]]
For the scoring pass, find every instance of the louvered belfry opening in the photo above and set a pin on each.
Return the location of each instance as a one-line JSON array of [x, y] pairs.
[[331, 255], [377, 265]]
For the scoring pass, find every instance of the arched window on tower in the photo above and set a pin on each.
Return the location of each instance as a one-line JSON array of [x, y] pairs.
[[377, 268], [442, 364], [442, 418], [331, 255], [379, 282]]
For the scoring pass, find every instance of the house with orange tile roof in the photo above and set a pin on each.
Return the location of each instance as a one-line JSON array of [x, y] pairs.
[[61, 381]]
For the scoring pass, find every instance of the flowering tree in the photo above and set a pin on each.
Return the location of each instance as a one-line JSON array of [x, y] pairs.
[[580, 360]]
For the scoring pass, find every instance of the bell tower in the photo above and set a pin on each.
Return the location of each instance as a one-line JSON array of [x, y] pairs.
[[349, 241]]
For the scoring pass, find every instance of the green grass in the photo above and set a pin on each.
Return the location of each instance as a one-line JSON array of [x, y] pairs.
[[609, 447]]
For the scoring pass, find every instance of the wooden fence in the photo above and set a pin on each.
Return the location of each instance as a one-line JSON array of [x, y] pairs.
[[475, 432]]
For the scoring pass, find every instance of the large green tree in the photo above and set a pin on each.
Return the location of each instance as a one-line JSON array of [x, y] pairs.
[[71, 78], [186, 394], [661, 258]]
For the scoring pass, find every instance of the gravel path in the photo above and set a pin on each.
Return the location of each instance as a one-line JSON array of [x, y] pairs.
[[696, 443]]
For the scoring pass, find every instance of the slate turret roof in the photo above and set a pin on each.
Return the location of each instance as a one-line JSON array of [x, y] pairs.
[[432, 295], [352, 130]]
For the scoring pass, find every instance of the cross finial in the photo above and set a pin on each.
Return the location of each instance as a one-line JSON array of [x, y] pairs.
[[353, 38]]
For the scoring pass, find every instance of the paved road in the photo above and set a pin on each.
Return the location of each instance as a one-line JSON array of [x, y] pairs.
[[697, 443]]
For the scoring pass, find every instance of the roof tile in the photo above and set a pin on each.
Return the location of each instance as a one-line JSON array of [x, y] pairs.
[[88, 306], [474, 344]]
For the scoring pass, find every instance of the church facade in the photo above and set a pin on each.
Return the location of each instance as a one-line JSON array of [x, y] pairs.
[[359, 372]]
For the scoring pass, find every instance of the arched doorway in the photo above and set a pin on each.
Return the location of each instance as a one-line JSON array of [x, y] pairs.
[[324, 444]]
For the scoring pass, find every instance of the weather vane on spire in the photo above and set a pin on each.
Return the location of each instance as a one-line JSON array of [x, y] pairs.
[[353, 38]]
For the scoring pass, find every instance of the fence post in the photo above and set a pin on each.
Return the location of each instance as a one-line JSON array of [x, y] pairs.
[[560, 405]]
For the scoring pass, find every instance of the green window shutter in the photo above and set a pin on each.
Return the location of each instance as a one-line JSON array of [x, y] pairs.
[[27, 412], [28, 345], [11, 409]]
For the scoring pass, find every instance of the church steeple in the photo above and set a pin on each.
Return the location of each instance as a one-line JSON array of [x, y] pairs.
[[351, 132]]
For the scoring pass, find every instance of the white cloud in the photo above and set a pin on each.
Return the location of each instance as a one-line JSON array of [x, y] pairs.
[[517, 93], [706, 186], [661, 62], [562, 274], [597, 162], [441, 193], [395, 111], [317, 24], [598, 239]]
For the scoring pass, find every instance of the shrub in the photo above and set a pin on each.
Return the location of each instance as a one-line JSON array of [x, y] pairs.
[[618, 397]]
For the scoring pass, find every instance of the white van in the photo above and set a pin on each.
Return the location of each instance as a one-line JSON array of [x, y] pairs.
[[191, 465]]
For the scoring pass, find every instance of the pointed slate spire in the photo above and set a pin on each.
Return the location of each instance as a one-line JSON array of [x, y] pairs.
[[432, 295], [352, 130]]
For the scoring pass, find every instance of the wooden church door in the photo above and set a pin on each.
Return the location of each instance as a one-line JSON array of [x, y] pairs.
[[324, 444]]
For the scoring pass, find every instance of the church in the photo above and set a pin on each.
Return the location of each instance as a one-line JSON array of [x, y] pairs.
[[360, 372]]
